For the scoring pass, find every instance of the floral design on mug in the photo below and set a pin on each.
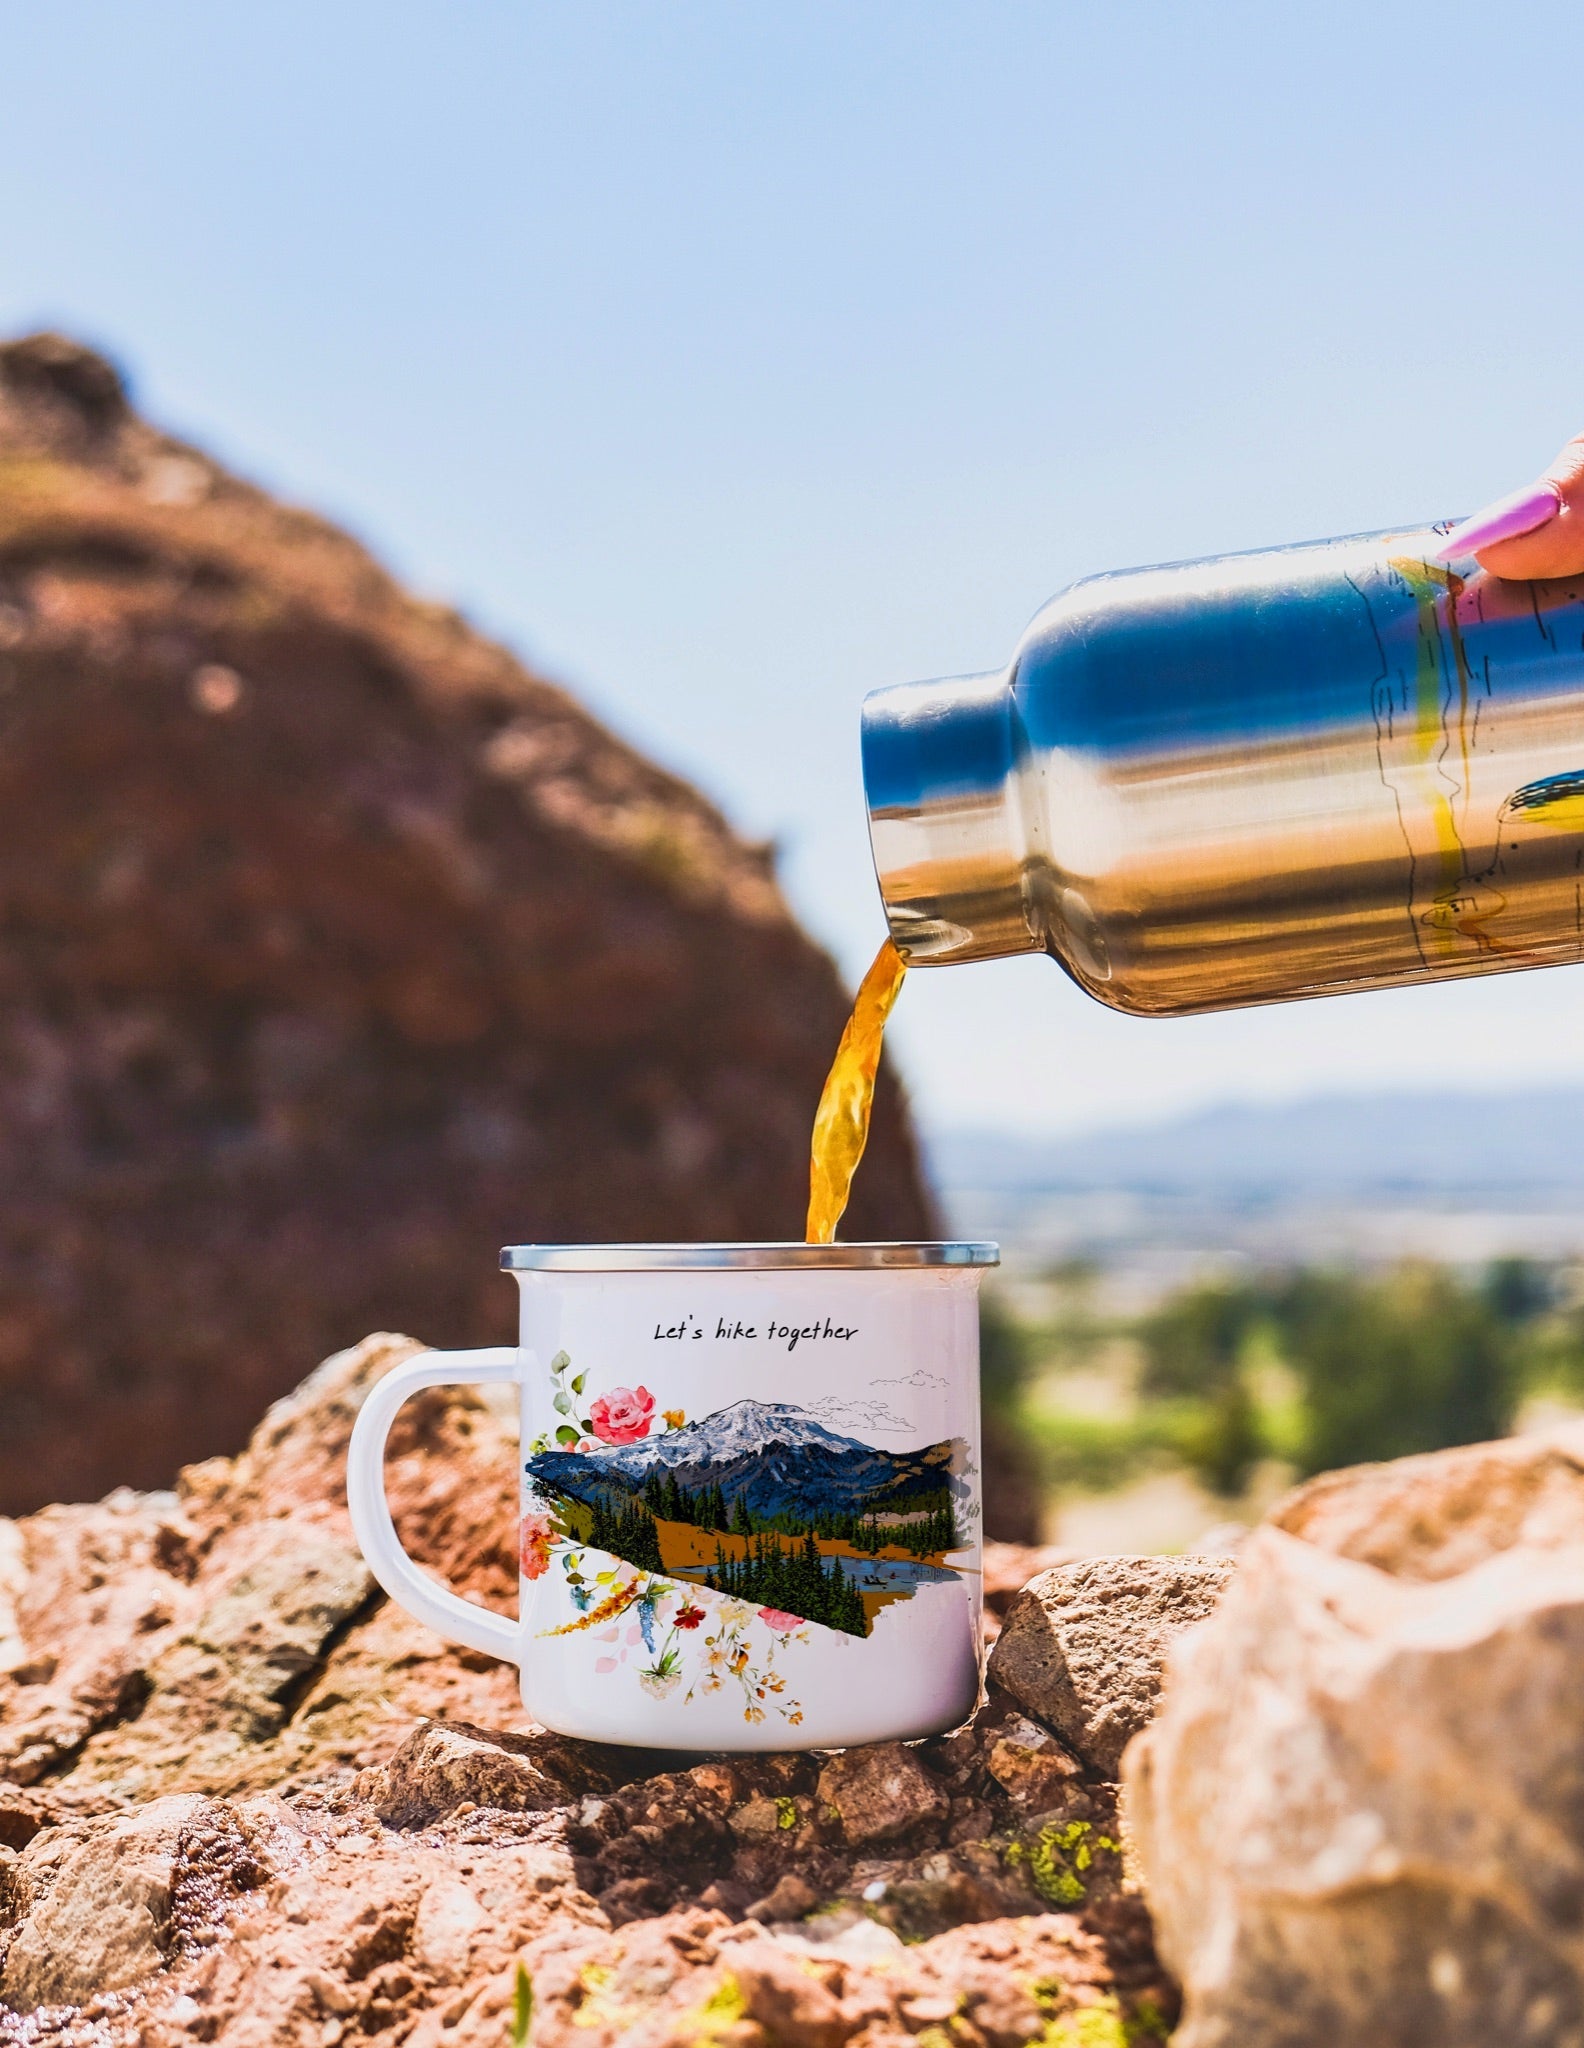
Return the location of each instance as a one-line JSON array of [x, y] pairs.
[[592, 1613], [663, 1612], [536, 1535], [713, 1551], [729, 1660], [574, 1431], [623, 1415]]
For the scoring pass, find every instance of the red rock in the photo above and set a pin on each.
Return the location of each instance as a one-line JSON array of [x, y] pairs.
[[336, 950], [1027, 1761], [444, 1766], [791, 1898], [277, 1813], [880, 1793]]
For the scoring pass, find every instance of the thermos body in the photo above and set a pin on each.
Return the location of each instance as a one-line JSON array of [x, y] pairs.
[[1248, 779]]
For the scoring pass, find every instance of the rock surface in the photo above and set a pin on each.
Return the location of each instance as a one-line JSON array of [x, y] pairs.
[[1008, 1567], [82, 1935], [1082, 1646], [1360, 1812], [336, 950], [242, 1799]]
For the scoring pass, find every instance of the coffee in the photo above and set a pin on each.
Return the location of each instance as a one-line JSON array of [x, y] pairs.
[[841, 1123]]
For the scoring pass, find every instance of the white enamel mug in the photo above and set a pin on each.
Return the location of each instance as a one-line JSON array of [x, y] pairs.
[[750, 1492]]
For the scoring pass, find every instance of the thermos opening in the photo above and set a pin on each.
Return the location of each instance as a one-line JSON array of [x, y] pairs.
[[945, 819]]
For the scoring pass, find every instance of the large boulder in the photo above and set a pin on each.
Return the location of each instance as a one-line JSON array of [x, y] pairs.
[[1360, 1810], [336, 950], [244, 1800]]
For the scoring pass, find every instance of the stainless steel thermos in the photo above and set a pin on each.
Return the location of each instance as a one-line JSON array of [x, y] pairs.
[[1242, 780]]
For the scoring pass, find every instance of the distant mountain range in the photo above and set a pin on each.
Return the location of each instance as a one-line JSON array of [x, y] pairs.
[[1496, 1147], [770, 1455]]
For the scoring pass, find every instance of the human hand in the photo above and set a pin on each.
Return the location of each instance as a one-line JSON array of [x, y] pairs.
[[1538, 531]]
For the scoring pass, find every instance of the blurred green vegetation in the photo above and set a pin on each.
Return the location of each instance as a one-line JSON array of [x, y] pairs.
[[1289, 1373]]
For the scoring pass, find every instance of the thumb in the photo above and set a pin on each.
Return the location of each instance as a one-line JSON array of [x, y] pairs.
[[1537, 532]]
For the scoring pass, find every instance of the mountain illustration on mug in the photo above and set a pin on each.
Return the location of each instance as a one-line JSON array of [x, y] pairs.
[[762, 1502]]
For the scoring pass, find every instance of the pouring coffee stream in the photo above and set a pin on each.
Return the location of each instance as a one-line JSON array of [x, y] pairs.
[[841, 1123]]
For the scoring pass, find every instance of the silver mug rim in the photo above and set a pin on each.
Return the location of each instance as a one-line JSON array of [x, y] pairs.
[[789, 1257]]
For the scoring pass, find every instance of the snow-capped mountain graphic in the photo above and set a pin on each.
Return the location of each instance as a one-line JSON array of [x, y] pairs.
[[771, 1455]]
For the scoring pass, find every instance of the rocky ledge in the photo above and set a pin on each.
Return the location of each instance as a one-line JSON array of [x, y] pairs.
[[243, 1798]]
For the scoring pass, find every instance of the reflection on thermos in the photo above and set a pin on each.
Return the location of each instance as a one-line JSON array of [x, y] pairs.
[[1251, 778]]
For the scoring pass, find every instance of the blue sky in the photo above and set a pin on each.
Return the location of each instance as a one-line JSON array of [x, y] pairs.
[[730, 360]]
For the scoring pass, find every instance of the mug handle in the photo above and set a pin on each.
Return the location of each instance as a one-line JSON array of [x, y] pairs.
[[422, 1596]]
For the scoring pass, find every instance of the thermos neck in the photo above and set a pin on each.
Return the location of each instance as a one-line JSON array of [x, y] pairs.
[[940, 766]]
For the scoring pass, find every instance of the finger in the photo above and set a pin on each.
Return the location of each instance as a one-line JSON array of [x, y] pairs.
[[1520, 513], [1535, 533]]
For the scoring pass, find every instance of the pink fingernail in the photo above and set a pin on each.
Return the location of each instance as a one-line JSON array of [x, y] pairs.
[[1522, 511]]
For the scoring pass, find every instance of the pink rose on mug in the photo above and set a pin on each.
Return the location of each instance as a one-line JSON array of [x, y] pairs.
[[623, 1415]]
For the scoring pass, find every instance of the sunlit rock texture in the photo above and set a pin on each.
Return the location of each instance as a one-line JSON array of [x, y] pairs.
[[243, 1799], [1359, 1813]]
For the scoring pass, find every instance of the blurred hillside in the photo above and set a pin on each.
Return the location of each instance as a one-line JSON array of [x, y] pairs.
[[1367, 1177], [336, 950], [1528, 1142]]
